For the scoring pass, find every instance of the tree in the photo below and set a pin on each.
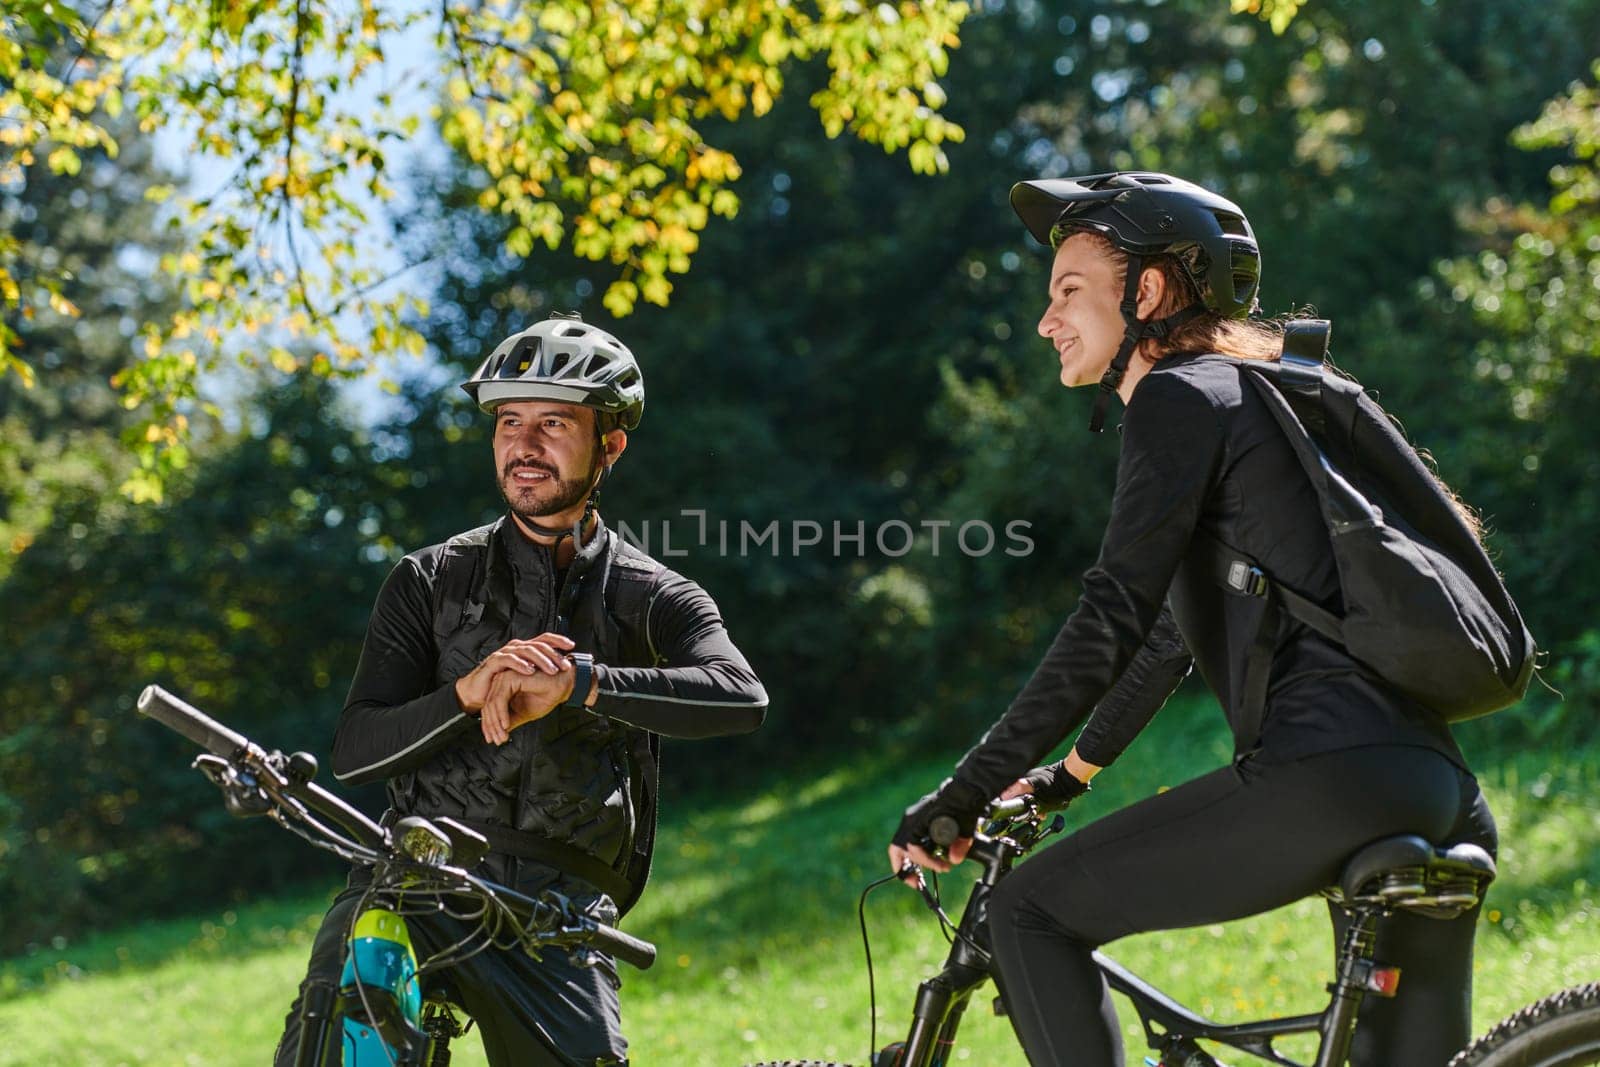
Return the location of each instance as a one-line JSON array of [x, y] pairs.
[[1529, 302], [245, 591], [587, 119], [94, 230]]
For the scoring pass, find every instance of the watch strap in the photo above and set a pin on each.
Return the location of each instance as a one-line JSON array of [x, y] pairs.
[[583, 665]]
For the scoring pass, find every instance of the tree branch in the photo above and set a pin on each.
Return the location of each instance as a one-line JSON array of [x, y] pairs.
[[296, 77], [65, 78]]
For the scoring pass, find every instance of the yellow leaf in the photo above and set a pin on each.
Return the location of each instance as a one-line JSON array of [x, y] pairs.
[[773, 48], [656, 289], [620, 298], [142, 487], [63, 160]]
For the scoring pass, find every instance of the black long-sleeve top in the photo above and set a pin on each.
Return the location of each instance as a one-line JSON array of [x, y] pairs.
[[396, 718], [1200, 452]]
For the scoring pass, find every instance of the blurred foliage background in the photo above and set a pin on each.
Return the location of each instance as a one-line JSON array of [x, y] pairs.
[[856, 346]]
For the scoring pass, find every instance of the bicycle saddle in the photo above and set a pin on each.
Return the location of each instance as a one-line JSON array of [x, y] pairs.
[[1410, 873]]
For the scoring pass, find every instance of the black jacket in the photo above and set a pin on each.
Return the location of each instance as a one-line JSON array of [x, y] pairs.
[[664, 663], [1199, 451]]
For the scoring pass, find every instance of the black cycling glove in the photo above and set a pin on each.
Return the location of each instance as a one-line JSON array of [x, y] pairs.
[[1053, 786], [962, 801]]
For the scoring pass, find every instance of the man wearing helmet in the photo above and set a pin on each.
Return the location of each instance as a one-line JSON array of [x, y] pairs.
[[1151, 277], [518, 679]]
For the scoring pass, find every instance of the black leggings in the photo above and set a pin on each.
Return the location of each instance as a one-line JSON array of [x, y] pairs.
[[1234, 843], [525, 1009]]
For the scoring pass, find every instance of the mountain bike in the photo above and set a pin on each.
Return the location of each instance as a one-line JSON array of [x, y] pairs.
[[1395, 874], [389, 1007]]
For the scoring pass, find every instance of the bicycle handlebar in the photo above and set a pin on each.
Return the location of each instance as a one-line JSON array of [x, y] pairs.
[[944, 830], [291, 779], [186, 719], [191, 722], [625, 947]]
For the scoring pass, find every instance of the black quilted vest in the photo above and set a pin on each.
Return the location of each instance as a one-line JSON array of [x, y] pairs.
[[573, 777]]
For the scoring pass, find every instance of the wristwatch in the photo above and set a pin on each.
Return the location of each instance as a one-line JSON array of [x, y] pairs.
[[583, 664]]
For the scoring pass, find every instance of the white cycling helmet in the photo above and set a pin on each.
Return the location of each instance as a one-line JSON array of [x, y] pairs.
[[566, 360]]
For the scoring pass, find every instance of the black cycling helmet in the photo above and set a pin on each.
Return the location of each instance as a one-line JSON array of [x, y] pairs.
[[1147, 214], [563, 359]]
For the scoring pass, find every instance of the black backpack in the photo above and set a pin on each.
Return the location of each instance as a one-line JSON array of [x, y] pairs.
[[1424, 608]]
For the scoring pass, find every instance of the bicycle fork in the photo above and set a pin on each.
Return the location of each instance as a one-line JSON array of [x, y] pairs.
[[942, 999]]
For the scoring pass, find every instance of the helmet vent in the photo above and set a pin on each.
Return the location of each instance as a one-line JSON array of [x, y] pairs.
[[559, 361], [1246, 275], [1233, 224], [575, 330]]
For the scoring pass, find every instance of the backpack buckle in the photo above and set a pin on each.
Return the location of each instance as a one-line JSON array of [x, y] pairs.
[[1247, 579]]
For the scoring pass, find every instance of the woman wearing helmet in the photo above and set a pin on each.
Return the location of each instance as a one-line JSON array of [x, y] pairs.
[[1150, 276]]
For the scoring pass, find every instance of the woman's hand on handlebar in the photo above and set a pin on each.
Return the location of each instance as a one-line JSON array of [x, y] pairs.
[[1019, 788], [907, 861], [946, 818], [1057, 785]]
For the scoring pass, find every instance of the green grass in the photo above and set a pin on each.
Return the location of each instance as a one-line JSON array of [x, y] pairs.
[[753, 907]]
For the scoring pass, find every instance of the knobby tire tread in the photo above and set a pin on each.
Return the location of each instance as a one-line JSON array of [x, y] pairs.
[[1539, 1034]]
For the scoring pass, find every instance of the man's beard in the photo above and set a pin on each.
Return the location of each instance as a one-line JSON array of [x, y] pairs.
[[558, 495]]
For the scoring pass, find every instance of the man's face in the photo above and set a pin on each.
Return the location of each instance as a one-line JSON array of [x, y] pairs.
[[546, 456], [1084, 318]]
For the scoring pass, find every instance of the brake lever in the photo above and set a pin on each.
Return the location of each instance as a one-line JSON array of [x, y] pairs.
[[909, 868], [242, 794]]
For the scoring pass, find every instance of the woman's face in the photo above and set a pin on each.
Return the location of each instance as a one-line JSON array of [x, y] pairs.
[[1084, 318]]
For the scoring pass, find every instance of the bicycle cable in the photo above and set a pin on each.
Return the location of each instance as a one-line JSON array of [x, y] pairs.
[[866, 945]]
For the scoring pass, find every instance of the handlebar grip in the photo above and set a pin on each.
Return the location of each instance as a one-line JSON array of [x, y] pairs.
[[625, 947], [191, 722], [943, 830]]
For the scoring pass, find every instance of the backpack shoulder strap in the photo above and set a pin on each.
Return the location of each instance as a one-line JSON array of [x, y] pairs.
[[1300, 369], [460, 568], [632, 584]]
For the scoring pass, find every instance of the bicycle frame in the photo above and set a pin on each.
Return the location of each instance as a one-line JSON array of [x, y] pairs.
[[1170, 1027]]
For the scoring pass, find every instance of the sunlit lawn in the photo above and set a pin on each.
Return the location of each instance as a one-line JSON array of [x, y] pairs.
[[753, 906]]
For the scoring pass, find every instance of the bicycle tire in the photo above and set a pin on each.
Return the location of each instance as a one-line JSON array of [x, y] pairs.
[[1562, 1030], [797, 1063]]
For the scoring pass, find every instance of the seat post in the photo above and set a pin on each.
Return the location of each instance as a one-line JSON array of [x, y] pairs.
[[1355, 967]]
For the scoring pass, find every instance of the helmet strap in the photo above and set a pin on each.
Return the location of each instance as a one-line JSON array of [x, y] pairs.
[[1112, 378], [1136, 331], [576, 530]]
